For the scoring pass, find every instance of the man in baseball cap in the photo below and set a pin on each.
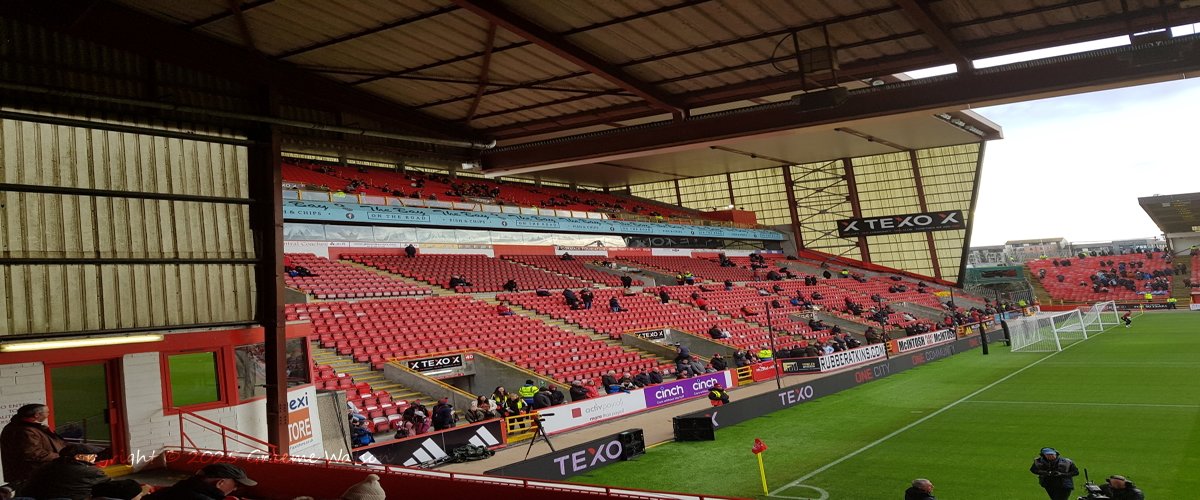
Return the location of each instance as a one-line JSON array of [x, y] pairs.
[[213, 482], [1055, 473]]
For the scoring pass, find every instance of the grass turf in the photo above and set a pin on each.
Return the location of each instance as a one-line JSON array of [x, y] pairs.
[[1126, 402]]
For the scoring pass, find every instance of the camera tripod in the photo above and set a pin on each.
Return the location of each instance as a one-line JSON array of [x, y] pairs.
[[539, 432]]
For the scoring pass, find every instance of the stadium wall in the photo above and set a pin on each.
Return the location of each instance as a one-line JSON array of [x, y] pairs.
[[138, 389]]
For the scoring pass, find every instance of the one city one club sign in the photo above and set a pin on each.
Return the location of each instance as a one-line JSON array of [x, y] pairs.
[[896, 224]]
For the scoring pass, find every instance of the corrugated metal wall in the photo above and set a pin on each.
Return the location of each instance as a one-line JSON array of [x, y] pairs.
[[75, 295]]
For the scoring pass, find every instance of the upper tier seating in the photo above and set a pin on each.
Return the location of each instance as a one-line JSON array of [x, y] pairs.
[[414, 184], [574, 268], [334, 280], [1082, 270], [702, 269], [485, 274], [833, 299], [376, 331], [644, 312]]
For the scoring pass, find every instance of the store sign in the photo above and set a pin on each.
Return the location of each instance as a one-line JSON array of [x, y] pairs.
[[897, 224], [922, 341], [851, 357]]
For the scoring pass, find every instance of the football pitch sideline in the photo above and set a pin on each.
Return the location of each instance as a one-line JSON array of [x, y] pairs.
[[1124, 402]]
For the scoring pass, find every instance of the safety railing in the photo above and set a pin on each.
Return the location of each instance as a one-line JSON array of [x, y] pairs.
[[229, 436]]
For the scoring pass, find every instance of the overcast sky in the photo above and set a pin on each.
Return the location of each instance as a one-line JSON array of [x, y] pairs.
[[1075, 166]]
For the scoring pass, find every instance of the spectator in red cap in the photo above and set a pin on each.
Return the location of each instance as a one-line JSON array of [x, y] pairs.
[[213, 482]]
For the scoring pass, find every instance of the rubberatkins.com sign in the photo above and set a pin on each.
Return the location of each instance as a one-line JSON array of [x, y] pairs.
[[896, 224]]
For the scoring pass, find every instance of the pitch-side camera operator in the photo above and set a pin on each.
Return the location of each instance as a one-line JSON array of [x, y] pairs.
[[1114, 488], [1055, 474]]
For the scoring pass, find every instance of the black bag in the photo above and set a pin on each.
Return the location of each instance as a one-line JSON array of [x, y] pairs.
[[470, 453]]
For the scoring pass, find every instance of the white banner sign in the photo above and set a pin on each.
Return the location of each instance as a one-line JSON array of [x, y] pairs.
[[851, 357], [572, 415], [924, 340]]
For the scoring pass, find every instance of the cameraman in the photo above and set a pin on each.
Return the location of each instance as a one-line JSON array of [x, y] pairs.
[[1055, 473], [1119, 488]]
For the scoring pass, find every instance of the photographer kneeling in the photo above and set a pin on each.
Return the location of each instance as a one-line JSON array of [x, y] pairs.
[[1119, 488]]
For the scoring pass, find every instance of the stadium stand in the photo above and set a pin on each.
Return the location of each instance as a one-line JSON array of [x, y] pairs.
[[1077, 284], [573, 268], [326, 279], [730, 302], [485, 274], [643, 312], [415, 184], [376, 331], [702, 269]]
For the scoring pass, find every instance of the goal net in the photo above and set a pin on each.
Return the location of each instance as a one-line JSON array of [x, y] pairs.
[[1047, 333], [1100, 317]]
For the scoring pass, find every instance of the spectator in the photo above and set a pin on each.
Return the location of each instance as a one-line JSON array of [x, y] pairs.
[[570, 298], [360, 434], [701, 303], [458, 281], [587, 296], [26, 443], [626, 281], [499, 398], [481, 409], [590, 385], [614, 305], [417, 415], [511, 285], [577, 391], [728, 285], [641, 379], [443, 415], [410, 251], [72, 475], [503, 310], [718, 363], [567, 256], [765, 354], [541, 400], [515, 405], [608, 380], [556, 396], [215, 481], [663, 296], [921, 489], [367, 489]]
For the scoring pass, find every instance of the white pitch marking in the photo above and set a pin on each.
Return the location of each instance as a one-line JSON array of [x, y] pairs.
[[824, 495], [1140, 405], [897, 432]]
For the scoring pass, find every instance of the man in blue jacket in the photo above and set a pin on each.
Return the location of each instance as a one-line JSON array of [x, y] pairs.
[[1055, 474]]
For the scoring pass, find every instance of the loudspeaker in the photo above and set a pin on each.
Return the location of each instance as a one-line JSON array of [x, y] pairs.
[[821, 99], [633, 443], [693, 429]]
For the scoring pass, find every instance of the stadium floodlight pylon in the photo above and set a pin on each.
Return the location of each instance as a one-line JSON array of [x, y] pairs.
[[1047, 333]]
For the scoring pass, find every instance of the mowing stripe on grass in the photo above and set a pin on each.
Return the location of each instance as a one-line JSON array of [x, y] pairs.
[[1138, 405], [901, 430]]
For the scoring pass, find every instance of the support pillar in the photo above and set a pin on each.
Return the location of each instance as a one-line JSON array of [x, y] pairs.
[[916, 170], [265, 178], [789, 185], [855, 207]]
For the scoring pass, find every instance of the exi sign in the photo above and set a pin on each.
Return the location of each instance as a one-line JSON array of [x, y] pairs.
[[907, 223]]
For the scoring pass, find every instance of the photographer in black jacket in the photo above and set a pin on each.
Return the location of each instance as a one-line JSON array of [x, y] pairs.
[[1119, 488], [1055, 473]]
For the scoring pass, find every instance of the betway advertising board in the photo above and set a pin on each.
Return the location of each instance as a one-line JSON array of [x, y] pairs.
[[741, 410], [922, 341], [571, 415]]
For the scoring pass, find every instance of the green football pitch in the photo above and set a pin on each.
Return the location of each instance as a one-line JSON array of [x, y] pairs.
[[1124, 402]]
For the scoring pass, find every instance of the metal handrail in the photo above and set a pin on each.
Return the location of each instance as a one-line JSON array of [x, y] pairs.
[[227, 434]]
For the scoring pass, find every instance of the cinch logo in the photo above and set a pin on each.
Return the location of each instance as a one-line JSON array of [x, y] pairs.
[[704, 385], [668, 393], [591, 457]]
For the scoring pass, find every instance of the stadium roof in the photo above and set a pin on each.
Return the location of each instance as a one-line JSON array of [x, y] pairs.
[[1174, 213], [524, 72]]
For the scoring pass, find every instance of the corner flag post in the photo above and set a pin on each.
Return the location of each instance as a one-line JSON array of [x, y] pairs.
[[757, 449]]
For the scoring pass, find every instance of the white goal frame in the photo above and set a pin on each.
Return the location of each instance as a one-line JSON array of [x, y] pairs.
[[1048, 332]]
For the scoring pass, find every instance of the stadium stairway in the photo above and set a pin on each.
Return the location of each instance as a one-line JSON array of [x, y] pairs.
[[1180, 290], [1039, 292], [362, 372]]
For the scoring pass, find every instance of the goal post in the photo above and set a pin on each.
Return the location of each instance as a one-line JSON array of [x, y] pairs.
[[1048, 332], [1100, 316]]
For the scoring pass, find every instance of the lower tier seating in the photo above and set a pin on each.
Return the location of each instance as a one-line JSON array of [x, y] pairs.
[[379, 330], [485, 274], [575, 268], [1143, 272], [644, 312]]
